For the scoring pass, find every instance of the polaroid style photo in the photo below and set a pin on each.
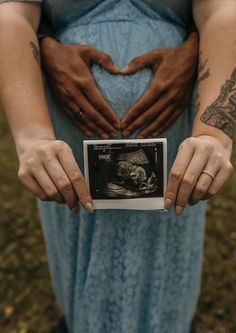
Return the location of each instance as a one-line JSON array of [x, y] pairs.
[[126, 174]]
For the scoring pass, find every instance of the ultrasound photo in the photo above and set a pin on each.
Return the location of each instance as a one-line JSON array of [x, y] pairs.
[[118, 170]]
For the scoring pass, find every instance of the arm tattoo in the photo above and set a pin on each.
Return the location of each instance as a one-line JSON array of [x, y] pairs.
[[36, 52], [222, 113], [203, 74]]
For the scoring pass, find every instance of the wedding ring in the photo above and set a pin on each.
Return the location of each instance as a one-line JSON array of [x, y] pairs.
[[209, 174], [79, 115]]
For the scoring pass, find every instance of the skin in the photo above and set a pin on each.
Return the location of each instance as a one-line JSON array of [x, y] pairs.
[[74, 88], [170, 91], [210, 146], [44, 161], [47, 166], [168, 96]]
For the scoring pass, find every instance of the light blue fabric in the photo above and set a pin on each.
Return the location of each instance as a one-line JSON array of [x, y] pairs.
[[123, 271]]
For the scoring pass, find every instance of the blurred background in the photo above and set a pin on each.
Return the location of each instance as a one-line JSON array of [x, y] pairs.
[[27, 303]]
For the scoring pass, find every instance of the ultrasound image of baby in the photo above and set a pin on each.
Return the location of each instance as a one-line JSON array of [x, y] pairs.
[[132, 176]]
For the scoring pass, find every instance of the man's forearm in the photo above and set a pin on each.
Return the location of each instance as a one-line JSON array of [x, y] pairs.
[[216, 114], [21, 86]]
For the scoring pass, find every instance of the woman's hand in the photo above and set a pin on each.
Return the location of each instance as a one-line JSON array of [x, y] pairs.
[[201, 167], [74, 88], [48, 170], [170, 91]]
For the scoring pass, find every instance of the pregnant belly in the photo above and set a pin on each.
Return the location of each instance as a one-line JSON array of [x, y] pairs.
[[123, 41]]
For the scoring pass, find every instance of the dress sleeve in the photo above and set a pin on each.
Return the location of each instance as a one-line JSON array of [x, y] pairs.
[[1, 1]]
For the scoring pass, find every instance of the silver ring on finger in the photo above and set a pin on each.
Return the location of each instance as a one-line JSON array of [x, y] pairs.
[[209, 174], [79, 115]]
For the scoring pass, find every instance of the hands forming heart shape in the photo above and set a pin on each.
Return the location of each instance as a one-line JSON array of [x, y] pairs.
[[67, 68]]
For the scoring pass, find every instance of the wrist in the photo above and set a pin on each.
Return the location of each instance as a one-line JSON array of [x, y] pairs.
[[24, 141], [222, 138]]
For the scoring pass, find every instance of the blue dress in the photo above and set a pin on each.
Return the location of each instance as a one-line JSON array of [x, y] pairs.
[[123, 271]]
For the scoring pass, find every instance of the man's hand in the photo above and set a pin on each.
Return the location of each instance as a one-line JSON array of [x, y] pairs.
[[170, 92], [74, 88]]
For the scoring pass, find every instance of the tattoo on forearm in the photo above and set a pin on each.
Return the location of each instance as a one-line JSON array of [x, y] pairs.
[[203, 74], [36, 52], [203, 69], [222, 113]]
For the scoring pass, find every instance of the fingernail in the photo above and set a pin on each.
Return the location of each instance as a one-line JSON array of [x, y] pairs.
[[89, 207], [168, 203], [75, 209], [178, 210]]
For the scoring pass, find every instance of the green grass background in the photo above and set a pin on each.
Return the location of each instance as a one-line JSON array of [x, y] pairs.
[[27, 303]]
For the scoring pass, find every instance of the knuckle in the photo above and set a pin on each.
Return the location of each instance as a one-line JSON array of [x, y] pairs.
[[188, 180], [65, 186], [76, 177], [212, 192], [218, 157], [51, 193], [189, 141], [84, 82], [40, 150], [22, 174], [230, 167], [61, 146], [201, 189], [208, 146], [176, 175]]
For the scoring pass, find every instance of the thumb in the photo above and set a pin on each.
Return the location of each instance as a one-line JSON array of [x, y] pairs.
[[143, 61]]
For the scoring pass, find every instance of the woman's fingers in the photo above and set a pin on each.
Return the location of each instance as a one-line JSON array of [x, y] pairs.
[[200, 169], [177, 172], [62, 182], [220, 178], [190, 179], [204, 182], [32, 185], [75, 176], [47, 184]]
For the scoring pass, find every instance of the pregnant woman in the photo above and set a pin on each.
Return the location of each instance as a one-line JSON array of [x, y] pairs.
[[121, 271]]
